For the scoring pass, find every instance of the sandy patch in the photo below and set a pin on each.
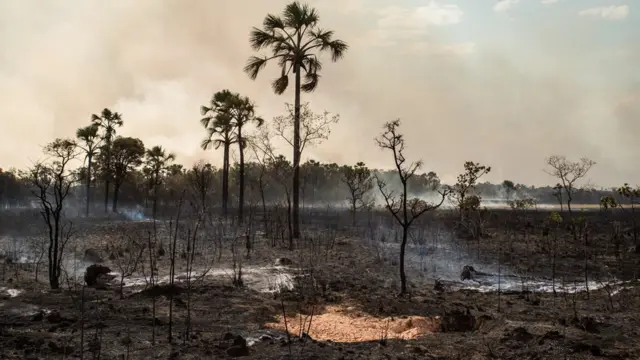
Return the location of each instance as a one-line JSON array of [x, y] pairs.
[[341, 324]]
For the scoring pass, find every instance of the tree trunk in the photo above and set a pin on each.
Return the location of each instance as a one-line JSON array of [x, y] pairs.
[[106, 195], [225, 179], [88, 185], [403, 277], [353, 210], [116, 193], [241, 190], [296, 156], [155, 201]]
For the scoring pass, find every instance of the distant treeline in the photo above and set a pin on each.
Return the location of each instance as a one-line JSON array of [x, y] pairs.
[[321, 184]]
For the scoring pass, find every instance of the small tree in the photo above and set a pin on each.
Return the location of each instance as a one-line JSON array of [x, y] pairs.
[[633, 196], [404, 210], [463, 197], [509, 189], [51, 186], [126, 155], [157, 163], [200, 180], [568, 172], [461, 193], [359, 182]]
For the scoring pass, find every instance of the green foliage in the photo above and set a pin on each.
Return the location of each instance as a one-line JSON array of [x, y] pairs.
[[628, 192], [466, 182], [522, 204], [555, 217], [608, 202]]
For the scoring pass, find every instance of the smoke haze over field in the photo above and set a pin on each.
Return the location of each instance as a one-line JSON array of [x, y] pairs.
[[506, 83]]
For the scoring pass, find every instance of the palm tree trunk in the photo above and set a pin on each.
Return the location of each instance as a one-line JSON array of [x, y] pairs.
[[296, 156], [241, 190], [89, 157], [106, 195], [225, 179], [116, 191]]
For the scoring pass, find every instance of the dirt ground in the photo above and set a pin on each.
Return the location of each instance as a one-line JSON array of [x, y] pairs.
[[343, 304]]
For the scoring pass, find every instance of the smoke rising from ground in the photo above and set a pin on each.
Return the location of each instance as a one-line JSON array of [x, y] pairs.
[[507, 95]]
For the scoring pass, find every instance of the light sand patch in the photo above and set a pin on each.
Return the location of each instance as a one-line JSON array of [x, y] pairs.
[[349, 325]]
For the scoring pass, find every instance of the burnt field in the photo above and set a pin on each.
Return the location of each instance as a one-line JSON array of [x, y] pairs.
[[201, 288]]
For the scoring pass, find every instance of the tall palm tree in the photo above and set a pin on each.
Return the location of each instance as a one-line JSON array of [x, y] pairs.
[[158, 162], [107, 121], [242, 112], [218, 122], [89, 143], [295, 41]]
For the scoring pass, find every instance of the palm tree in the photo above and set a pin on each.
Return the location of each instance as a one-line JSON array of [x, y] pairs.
[[242, 112], [107, 121], [218, 122], [295, 41], [89, 143], [158, 162]]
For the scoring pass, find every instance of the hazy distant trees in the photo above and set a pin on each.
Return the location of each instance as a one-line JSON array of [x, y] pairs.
[[403, 209], [157, 162], [126, 154], [295, 41], [51, 184], [89, 143], [359, 181], [107, 121]]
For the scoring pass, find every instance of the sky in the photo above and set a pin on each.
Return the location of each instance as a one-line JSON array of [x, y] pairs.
[[505, 83]]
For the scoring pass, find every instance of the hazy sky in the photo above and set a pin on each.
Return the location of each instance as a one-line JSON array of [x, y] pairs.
[[506, 83]]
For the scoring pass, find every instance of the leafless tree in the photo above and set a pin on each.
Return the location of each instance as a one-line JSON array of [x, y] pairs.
[[127, 254], [404, 210], [314, 128], [359, 182], [51, 185], [200, 180]]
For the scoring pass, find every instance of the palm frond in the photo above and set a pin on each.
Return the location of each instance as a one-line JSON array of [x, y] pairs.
[[260, 39], [272, 23], [254, 65], [204, 110], [298, 16], [337, 48], [311, 82], [206, 121], [280, 84], [258, 120]]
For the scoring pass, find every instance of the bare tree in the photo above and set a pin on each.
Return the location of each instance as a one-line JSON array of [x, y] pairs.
[[281, 169], [312, 130], [200, 180], [127, 254], [404, 210], [359, 182], [51, 186]]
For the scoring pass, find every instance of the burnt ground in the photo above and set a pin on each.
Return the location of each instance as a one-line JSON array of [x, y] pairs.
[[343, 270]]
